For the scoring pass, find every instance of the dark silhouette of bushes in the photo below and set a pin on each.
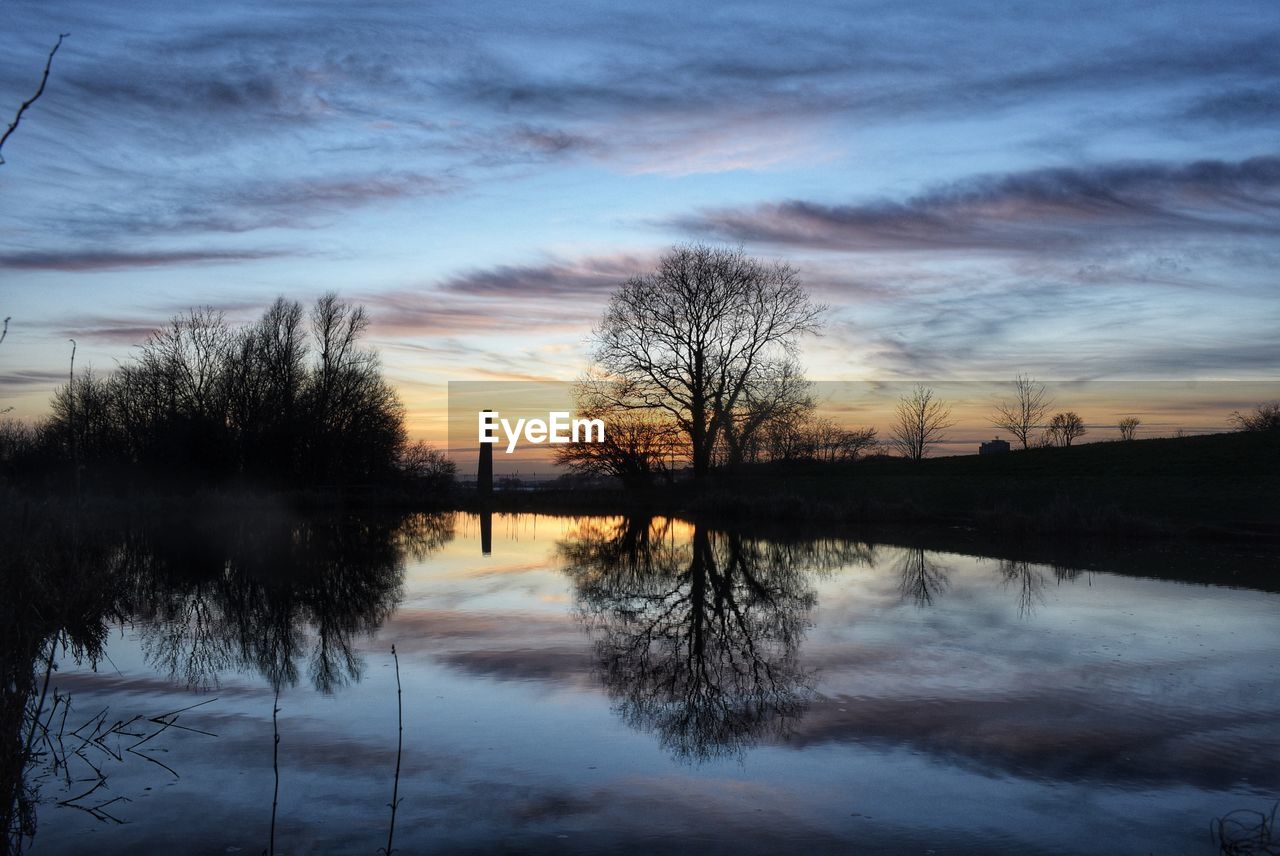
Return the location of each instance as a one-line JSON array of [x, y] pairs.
[[292, 400], [1264, 417]]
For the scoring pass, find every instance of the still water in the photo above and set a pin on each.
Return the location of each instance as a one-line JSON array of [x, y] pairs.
[[605, 684]]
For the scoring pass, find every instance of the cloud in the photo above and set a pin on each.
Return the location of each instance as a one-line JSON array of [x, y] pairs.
[[559, 294], [428, 313], [543, 664], [31, 378], [98, 260], [1025, 736], [1248, 107], [238, 205], [1030, 211], [588, 277], [121, 333]]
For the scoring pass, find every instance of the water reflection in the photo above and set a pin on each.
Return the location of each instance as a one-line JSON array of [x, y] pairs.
[[697, 632], [1028, 581], [921, 578], [264, 594], [709, 641], [56, 600], [270, 595]]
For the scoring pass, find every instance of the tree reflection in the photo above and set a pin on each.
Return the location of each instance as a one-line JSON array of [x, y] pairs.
[[1029, 582], [920, 578], [696, 631], [270, 594], [55, 602]]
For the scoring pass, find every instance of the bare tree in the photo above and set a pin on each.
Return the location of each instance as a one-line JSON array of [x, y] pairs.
[[26, 105], [204, 401], [427, 466], [1128, 427], [779, 394], [1026, 412], [816, 439], [1065, 427], [637, 446], [1264, 417], [695, 337], [919, 422]]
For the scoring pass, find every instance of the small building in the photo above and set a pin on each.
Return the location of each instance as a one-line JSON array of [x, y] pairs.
[[995, 446]]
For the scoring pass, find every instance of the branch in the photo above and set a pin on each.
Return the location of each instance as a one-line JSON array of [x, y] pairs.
[[17, 117]]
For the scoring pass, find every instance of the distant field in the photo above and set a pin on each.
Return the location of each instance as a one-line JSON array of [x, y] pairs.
[[1217, 480]]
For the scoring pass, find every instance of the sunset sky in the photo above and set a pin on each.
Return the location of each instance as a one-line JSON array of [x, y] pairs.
[[1076, 190]]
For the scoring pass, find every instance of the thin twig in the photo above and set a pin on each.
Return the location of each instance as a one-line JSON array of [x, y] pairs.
[[26, 752], [44, 78], [275, 766], [395, 788], [71, 407]]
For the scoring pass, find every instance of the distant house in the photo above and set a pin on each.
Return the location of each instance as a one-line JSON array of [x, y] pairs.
[[995, 446]]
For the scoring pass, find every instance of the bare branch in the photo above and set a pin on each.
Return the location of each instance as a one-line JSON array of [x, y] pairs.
[[44, 78]]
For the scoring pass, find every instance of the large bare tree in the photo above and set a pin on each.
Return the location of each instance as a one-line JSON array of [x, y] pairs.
[[919, 422], [700, 336], [1022, 415]]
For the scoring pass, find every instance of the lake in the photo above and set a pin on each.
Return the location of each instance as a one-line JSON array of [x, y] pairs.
[[604, 684]]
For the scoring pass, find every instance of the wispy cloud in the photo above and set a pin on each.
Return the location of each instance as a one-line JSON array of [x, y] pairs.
[[31, 378], [592, 277], [98, 260], [1029, 211]]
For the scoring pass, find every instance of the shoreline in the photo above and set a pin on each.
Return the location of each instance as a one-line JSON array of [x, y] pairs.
[[1223, 487]]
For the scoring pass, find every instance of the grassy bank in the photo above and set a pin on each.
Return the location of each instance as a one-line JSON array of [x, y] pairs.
[[1215, 486], [1218, 486]]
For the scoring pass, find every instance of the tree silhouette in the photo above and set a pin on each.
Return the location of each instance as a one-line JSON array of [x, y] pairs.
[[919, 422], [1026, 412], [1264, 417], [706, 335], [204, 403], [637, 447], [1066, 427]]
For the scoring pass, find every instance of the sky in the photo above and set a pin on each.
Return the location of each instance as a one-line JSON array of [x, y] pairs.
[[1081, 191]]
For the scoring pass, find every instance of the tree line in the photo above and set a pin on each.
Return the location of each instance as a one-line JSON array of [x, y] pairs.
[[291, 400], [694, 365]]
